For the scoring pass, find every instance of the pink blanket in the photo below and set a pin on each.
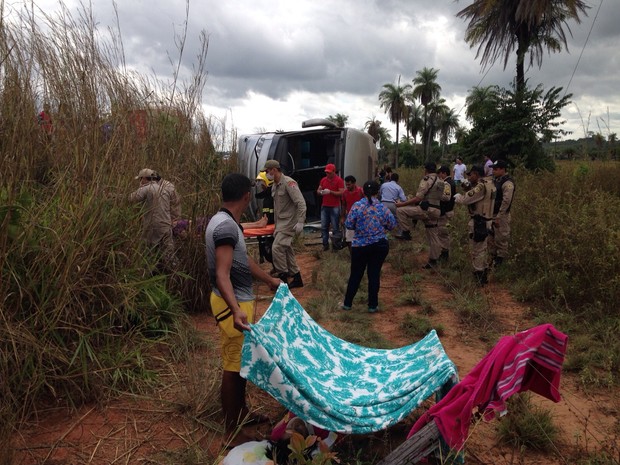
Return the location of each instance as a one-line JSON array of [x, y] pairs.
[[530, 360]]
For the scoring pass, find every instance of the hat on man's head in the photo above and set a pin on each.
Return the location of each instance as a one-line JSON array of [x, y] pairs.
[[431, 167], [500, 164], [262, 176], [330, 168], [476, 169], [146, 173], [271, 164]]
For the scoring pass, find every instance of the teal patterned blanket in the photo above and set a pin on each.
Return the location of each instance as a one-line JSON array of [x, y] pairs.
[[334, 384]]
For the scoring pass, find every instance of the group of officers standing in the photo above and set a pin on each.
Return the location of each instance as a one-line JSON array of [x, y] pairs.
[[488, 197], [487, 192]]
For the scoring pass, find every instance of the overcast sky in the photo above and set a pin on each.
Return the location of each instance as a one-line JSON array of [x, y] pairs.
[[274, 63]]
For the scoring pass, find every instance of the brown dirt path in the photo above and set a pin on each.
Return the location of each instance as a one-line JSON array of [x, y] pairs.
[[144, 430]]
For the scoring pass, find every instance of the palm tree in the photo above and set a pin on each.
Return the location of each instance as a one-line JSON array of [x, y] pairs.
[[436, 111], [426, 89], [479, 102], [392, 100], [460, 134], [415, 123], [448, 126], [501, 27], [339, 119], [384, 136], [372, 126]]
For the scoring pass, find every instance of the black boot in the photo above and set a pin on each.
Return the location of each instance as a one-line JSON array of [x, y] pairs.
[[481, 277], [444, 256], [283, 277], [296, 281]]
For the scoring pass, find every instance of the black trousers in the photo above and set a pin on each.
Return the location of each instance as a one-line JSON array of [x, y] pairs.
[[372, 257]]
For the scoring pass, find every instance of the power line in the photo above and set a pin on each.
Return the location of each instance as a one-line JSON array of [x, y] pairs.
[[582, 49]]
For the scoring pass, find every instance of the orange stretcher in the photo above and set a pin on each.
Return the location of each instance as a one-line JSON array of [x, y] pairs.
[[265, 239], [258, 232]]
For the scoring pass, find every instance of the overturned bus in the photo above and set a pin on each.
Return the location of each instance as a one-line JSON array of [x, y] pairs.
[[304, 154]]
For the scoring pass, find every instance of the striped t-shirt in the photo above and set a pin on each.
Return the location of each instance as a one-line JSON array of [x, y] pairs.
[[224, 230]]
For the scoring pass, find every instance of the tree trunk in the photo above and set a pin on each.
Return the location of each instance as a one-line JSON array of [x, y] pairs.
[[396, 156], [522, 39], [424, 146]]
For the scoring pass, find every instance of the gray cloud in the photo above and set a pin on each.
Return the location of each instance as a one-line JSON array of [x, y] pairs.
[[340, 50]]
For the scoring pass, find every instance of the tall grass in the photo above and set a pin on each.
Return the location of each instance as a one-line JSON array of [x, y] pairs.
[[563, 260], [566, 244], [79, 308]]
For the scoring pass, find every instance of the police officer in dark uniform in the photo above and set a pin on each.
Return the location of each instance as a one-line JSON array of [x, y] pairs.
[[505, 190]]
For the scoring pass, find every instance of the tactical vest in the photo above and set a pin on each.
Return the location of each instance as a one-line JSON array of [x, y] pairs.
[[448, 205], [433, 196], [485, 206], [499, 195]]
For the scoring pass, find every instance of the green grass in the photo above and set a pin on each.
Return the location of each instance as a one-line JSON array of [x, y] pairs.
[[416, 327], [528, 426]]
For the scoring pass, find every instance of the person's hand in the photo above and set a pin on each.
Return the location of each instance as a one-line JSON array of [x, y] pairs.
[[326, 192], [458, 198], [299, 228], [274, 283], [241, 321]]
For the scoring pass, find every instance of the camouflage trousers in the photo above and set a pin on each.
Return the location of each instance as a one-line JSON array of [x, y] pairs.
[[442, 230], [498, 242]]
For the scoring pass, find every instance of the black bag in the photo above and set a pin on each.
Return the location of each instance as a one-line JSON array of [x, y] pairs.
[[480, 229], [424, 204]]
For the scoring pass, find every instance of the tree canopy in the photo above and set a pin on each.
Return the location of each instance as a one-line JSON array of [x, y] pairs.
[[499, 28]]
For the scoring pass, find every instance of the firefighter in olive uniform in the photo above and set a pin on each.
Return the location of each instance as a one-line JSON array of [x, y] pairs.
[[480, 201], [424, 207], [290, 214], [505, 186]]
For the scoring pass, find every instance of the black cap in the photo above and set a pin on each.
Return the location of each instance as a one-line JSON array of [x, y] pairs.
[[476, 168], [444, 169], [431, 167], [500, 164]]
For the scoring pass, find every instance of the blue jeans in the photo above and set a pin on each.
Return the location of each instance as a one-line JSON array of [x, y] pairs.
[[330, 215], [372, 257]]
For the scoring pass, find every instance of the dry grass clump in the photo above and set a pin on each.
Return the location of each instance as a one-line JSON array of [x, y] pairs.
[[79, 304]]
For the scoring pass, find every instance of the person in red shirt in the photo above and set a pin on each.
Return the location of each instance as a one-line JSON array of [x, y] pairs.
[[330, 189], [352, 193]]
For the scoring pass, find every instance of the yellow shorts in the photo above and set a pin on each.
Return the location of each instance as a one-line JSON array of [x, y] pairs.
[[231, 338]]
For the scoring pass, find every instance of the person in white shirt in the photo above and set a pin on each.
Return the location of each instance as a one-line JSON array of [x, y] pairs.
[[458, 172], [488, 166]]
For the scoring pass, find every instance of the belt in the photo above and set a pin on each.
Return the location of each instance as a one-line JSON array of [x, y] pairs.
[[434, 206], [389, 201]]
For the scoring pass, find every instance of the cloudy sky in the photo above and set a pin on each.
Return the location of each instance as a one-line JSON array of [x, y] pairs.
[[274, 63]]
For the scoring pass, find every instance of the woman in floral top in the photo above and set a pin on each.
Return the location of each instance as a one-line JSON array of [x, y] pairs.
[[370, 219]]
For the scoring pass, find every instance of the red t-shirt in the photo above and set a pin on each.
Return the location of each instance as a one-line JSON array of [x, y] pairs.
[[350, 197], [335, 184]]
